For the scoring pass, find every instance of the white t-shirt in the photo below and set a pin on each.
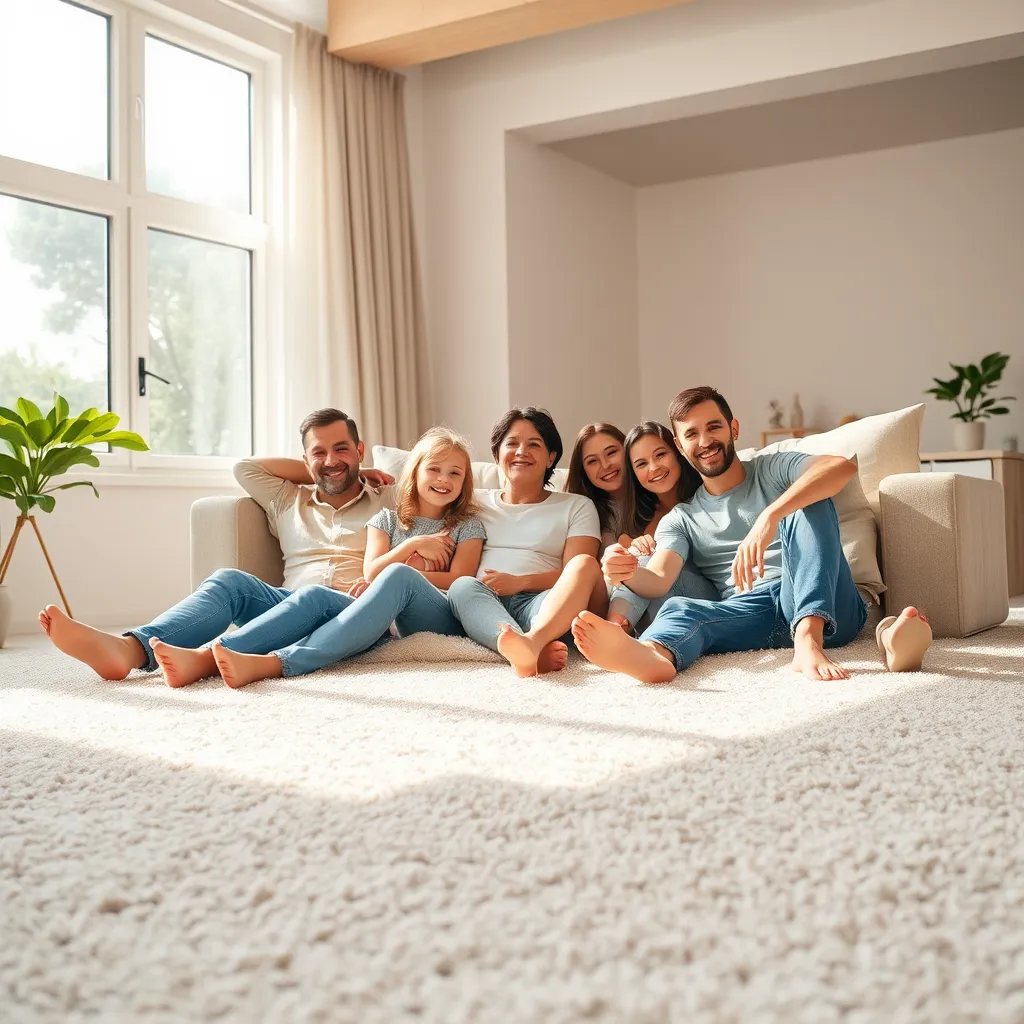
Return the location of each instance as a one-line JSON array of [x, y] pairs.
[[526, 539]]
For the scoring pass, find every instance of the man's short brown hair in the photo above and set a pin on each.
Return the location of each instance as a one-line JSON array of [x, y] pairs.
[[324, 418], [692, 397]]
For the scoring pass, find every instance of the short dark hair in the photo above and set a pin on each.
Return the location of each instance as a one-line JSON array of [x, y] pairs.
[[324, 418], [691, 397], [545, 426]]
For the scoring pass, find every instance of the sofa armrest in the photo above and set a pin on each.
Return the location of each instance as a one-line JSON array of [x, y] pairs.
[[944, 550], [233, 533]]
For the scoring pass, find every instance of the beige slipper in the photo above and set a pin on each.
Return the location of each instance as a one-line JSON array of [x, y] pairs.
[[904, 646]]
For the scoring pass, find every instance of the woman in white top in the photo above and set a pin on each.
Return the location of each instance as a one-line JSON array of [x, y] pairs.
[[539, 565]]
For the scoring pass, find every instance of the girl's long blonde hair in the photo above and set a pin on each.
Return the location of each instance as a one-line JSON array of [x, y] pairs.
[[436, 443]]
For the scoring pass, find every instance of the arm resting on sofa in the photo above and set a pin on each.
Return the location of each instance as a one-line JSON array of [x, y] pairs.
[[232, 533], [944, 550]]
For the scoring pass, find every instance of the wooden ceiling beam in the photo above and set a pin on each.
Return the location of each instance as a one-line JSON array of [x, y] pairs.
[[398, 33]]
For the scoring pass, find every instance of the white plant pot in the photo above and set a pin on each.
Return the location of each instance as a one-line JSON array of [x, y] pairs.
[[968, 437], [5, 613]]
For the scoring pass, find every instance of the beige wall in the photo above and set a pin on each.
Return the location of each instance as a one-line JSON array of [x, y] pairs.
[[692, 54], [572, 312], [852, 281]]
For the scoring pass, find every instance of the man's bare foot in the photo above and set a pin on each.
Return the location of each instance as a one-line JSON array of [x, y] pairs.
[[519, 651], [183, 665], [605, 644], [239, 670], [904, 639], [809, 657], [553, 657], [109, 656], [622, 622]]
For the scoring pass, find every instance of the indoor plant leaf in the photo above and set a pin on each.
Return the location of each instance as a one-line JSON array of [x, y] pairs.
[[29, 411], [125, 439], [38, 430], [16, 434], [10, 414], [76, 483], [13, 468], [44, 501]]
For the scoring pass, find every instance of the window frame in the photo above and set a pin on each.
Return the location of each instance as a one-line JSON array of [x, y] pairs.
[[131, 210]]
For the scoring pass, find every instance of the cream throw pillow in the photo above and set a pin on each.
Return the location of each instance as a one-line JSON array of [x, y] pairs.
[[883, 446]]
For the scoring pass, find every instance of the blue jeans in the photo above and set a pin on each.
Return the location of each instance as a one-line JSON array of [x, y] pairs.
[[483, 614], [815, 580], [689, 583], [316, 626], [228, 597]]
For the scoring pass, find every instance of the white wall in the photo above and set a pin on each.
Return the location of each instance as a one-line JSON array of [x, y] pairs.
[[852, 281], [691, 52], [572, 301]]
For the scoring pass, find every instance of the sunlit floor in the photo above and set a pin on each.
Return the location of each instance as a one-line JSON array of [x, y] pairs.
[[443, 840]]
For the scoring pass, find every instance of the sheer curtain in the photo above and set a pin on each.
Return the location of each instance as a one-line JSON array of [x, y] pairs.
[[355, 333]]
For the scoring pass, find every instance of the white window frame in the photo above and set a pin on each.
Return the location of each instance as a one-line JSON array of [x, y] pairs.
[[131, 210]]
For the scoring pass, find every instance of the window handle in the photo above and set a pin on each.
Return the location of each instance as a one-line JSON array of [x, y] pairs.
[[144, 373]]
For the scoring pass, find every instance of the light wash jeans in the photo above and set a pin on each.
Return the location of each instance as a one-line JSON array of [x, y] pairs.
[[689, 583], [228, 597], [316, 626], [815, 580], [483, 614]]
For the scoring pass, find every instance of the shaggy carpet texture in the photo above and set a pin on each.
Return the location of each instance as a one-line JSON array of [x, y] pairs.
[[439, 841]]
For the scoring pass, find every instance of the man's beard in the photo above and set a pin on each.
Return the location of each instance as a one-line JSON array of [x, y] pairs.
[[339, 480], [711, 472]]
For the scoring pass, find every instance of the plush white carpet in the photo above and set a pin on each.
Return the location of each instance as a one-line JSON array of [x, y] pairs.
[[446, 843]]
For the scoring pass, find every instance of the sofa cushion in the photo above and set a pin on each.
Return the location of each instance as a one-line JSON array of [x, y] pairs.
[[485, 474]]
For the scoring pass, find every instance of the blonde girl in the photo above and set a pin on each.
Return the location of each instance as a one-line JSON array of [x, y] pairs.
[[413, 554]]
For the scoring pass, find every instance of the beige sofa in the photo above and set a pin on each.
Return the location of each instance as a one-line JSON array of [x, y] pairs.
[[941, 536]]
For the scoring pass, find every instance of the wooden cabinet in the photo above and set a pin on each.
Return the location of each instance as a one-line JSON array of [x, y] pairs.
[[1008, 469]]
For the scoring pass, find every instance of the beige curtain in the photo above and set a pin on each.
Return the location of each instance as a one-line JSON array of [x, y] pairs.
[[355, 336]]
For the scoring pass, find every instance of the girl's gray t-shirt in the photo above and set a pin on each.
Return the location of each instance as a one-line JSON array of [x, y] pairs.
[[387, 521]]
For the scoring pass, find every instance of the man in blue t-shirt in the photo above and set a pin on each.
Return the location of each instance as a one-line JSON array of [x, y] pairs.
[[765, 532]]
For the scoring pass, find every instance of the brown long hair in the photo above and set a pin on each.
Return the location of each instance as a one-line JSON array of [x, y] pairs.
[[640, 504], [577, 482], [436, 443]]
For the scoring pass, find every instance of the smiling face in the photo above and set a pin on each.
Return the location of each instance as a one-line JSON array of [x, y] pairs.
[[332, 457], [655, 463], [706, 439], [439, 480], [523, 457], [604, 462]]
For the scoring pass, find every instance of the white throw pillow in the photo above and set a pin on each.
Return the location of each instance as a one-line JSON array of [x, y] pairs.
[[883, 446], [486, 475]]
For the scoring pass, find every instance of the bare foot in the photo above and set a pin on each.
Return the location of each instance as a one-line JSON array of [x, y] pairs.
[[183, 665], [605, 644], [809, 657], [553, 657], [621, 621], [519, 651], [903, 640], [109, 656], [239, 670]]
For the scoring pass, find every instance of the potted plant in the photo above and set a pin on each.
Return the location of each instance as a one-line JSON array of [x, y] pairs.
[[40, 449], [971, 391]]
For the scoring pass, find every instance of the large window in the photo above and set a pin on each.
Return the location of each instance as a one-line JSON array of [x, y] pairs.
[[132, 224]]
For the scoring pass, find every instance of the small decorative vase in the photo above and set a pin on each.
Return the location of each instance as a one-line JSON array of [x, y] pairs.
[[5, 613], [796, 414], [968, 437]]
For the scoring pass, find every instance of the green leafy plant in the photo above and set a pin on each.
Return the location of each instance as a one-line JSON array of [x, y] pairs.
[[43, 447], [970, 389]]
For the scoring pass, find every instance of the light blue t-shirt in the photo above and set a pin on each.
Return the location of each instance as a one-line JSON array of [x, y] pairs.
[[387, 521], [708, 530]]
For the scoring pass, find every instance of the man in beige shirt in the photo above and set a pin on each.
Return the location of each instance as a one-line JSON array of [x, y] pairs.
[[317, 507]]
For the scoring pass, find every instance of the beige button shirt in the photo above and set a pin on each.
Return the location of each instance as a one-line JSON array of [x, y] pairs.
[[320, 544]]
